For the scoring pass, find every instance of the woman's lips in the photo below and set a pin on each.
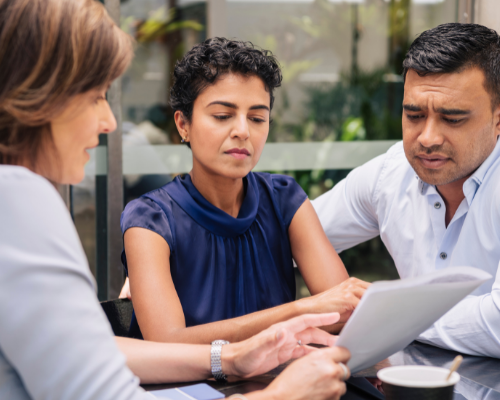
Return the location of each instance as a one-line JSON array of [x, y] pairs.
[[239, 154], [87, 149], [433, 162]]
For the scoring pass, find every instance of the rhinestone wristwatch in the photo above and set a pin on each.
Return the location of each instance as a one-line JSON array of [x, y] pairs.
[[215, 360]]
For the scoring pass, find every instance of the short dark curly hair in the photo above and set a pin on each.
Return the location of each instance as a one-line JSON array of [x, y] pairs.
[[205, 63], [454, 47]]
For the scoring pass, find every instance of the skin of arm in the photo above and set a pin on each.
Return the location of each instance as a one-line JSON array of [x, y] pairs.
[[317, 260], [154, 293], [321, 267], [317, 375]]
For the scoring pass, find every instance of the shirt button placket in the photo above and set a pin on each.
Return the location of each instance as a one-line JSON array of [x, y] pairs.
[[437, 205], [443, 256]]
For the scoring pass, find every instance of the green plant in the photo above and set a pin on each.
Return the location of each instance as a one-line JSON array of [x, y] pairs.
[[161, 23]]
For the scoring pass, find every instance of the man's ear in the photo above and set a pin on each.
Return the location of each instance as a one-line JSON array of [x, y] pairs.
[[182, 125], [496, 120]]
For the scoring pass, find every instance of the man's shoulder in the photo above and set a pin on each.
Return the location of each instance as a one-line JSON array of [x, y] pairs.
[[489, 190], [389, 170], [396, 156]]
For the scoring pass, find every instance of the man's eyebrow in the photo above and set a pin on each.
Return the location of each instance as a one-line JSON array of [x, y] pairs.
[[223, 103], [452, 111], [444, 111], [411, 107]]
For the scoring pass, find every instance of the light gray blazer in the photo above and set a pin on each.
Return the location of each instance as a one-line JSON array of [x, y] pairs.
[[55, 341]]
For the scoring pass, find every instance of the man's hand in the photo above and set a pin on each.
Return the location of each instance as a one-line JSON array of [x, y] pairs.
[[277, 344]]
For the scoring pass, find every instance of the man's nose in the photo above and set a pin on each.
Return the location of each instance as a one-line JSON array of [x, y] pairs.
[[430, 135]]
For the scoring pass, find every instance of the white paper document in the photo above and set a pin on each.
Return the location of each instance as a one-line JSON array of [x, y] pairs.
[[391, 314]]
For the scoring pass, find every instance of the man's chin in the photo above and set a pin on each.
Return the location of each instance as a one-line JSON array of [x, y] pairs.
[[437, 178], [432, 176]]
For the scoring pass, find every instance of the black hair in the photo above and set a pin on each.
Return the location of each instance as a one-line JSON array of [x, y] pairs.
[[205, 63], [455, 47]]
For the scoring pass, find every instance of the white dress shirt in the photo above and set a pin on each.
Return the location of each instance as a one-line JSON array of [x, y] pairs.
[[385, 197], [55, 341]]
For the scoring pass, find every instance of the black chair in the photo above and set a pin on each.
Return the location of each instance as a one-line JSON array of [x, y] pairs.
[[119, 313]]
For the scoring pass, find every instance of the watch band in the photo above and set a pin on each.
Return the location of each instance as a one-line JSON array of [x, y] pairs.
[[215, 360]]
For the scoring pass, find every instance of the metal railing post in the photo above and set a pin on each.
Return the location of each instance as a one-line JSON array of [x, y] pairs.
[[110, 277]]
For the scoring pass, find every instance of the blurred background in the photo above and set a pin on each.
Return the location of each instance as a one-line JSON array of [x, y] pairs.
[[339, 105]]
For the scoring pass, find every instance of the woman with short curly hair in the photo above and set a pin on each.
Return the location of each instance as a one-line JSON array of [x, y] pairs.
[[210, 255]]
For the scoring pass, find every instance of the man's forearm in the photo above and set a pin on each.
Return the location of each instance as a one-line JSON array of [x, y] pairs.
[[471, 327]]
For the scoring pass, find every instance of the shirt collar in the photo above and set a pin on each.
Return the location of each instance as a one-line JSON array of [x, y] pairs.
[[472, 184]]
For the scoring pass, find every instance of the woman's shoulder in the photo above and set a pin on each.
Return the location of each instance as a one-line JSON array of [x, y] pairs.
[[277, 181], [16, 177], [151, 211], [35, 220], [279, 185], [156, 200], [22, 188], [283, 191]]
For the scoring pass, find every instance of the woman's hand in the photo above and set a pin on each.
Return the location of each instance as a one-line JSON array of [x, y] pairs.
[[342, 298], [316, 376], [277, 344]]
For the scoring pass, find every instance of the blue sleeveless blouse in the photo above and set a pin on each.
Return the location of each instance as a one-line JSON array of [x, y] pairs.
[[223, 267]]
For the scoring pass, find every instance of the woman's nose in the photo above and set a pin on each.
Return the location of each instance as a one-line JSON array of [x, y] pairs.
[[240, 129], [107, 123]]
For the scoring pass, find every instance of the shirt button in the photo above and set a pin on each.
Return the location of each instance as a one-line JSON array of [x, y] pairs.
[[437, 205], [443, 256]]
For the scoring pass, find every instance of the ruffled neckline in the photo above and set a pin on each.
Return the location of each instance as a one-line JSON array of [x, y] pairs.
[[185, 194]]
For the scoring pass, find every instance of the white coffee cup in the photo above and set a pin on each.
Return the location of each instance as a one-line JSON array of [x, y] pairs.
[[417, 381]]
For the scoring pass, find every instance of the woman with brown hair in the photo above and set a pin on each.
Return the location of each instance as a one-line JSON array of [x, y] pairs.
[[57, 59]]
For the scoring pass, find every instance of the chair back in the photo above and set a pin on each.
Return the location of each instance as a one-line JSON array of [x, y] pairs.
[[119, 313]]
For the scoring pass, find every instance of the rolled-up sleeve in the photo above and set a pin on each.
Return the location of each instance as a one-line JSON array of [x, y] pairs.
[[348, 211], [471, 327], [53, 332]]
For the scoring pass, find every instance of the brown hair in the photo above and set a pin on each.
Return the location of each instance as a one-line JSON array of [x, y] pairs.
[[50, 51]]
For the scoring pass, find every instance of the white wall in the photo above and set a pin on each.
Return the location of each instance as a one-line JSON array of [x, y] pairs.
[[488, 13]]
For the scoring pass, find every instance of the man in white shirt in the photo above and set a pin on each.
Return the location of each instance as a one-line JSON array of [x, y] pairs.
[[435, 198]]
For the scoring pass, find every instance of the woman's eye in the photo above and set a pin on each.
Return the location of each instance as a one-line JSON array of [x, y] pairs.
[[222, 117], [258, 120]]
